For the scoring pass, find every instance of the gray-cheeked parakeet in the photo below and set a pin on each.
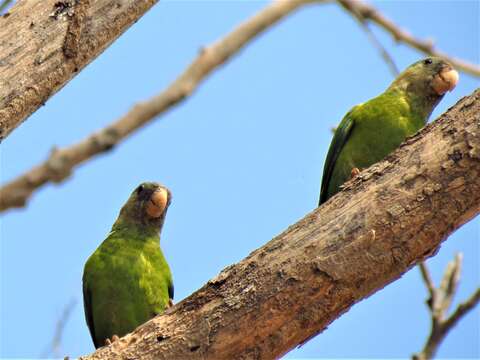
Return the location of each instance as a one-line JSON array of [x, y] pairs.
[[127, 280], [372, 130]]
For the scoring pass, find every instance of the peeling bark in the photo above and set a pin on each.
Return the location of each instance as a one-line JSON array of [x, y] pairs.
[[386, 220], [44, 43]]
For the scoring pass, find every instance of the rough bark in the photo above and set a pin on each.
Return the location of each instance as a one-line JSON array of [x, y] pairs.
[[393, 215], [44, 43]]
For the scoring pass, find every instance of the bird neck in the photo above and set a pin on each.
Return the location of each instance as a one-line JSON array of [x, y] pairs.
[[420, 107], [135, 228]]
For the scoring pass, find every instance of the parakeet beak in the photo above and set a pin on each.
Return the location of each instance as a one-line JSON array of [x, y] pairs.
[[157, 203], [445, 80]]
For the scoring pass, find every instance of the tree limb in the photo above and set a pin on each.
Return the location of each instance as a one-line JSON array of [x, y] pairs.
[[439, 302], [62, 161], [386, 220], [439, 299], [44, 43], [362, 10]]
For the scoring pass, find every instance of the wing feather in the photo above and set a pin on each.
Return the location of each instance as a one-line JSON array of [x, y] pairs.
[[87, 305], [342, 133]]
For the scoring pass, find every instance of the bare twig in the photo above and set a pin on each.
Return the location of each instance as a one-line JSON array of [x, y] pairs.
[[428, 282], [62, 161], [376, 43], [381, 49], [439, 302], [358, 8], [463, 308], [53, 349]]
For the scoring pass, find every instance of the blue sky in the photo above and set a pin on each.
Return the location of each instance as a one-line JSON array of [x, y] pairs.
[[243, 157]]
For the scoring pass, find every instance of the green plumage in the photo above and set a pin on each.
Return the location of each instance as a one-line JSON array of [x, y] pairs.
[[127, 280], [370, 131]]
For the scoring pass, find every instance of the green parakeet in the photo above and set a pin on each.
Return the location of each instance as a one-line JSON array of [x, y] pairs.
[[371, 130], [127, 280]]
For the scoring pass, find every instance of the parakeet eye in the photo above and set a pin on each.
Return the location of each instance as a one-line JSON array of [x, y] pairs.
[[140, 189], [427, 61]]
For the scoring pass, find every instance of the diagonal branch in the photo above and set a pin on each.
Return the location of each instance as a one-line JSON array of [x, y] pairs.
[[439, 302], [362, 10], [45, 43], [387, 58], [382, 223], [463, 309], [62, 161]]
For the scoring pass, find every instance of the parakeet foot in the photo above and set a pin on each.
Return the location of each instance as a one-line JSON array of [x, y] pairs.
[[112, 340], [354, 173], [170, 303]]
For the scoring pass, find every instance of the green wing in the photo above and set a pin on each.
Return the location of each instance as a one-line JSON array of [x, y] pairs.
[[87, 305], [342, 133]]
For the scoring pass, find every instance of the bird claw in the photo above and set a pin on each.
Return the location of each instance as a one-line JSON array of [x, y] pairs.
[[112, 340], [354, 173], [170, 303]]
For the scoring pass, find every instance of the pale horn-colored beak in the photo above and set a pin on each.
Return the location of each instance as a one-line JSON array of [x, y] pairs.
[[445, 81], [157, 203]]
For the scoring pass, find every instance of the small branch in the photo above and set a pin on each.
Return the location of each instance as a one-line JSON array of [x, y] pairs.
[[463, 309], [428, 283], [53, 348], [439, 302], [376, 43], [62, 162], [367, 12], [390, 217], [381, 49]]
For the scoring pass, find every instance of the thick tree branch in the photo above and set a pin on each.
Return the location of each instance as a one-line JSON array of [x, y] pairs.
[[62, 161], [385, 221], [44, 43], [439, 302], [366, 12]]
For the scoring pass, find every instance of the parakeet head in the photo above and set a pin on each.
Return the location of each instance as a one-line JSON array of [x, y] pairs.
[[431, 77], [147, 205]]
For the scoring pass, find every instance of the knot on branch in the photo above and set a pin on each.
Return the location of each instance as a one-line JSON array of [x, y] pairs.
[[105, 140], [59, 166], [63, 9]]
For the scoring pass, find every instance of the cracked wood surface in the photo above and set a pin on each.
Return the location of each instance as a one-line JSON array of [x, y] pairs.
[[386, 220], [44, 43]]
